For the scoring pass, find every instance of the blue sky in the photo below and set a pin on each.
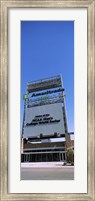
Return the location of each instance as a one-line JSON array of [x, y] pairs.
[[47, 49]]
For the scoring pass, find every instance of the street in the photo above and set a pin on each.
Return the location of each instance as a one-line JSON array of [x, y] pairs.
[[47, 173]]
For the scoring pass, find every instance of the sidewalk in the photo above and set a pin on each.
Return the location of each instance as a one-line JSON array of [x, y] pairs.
[[44, 165]]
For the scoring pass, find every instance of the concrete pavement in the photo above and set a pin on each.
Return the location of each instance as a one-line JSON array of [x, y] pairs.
[[43, 164]]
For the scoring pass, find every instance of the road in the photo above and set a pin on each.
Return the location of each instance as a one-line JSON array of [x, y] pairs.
[[45, 173]]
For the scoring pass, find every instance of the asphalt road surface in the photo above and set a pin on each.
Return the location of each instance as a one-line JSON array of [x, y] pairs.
[[63, 173]]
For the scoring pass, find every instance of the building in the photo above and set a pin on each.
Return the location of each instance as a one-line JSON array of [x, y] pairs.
[[45, 122]]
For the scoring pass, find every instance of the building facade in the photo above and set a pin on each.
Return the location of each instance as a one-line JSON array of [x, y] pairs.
[[45, 134]]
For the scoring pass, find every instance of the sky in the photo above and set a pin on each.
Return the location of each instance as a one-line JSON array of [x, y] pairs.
[[47, 49]]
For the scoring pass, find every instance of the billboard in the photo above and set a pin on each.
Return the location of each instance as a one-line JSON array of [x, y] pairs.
[[45, 120]]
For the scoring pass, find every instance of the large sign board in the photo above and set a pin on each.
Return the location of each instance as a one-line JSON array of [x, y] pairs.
[[45, 120]]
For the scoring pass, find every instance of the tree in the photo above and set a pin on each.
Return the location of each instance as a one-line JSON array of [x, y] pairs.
[[70, 156]]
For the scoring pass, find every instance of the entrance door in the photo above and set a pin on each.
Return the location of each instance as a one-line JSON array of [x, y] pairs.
[[61, 156]]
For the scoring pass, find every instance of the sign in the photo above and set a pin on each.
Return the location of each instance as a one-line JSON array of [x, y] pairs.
[[25, 96], [46, 119]]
